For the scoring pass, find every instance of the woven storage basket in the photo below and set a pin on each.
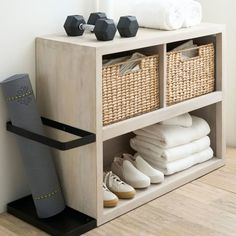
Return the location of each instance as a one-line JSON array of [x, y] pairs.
[[130, 94], [188, 78]]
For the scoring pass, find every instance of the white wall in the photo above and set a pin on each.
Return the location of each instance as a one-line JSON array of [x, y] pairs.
[[20, 22], [220, 11]]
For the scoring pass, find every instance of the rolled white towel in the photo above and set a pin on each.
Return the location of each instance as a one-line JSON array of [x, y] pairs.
[[176, 166], [158, 14], [166, 136], [171, 154], [192, 11], [184, 120]]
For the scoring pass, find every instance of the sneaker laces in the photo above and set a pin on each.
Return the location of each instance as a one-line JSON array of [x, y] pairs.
[[105, 187], [114, 177]]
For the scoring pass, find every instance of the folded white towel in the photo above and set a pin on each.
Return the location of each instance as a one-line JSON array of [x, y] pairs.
[[166, 136], [171, 154], [184, 120], [158, 14], [176, 166]]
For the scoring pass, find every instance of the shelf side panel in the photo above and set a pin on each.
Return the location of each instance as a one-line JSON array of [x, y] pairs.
[[66, 92], [220, 85]]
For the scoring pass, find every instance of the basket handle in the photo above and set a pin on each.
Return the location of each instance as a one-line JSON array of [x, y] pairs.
[[184, 57], [137, 62]]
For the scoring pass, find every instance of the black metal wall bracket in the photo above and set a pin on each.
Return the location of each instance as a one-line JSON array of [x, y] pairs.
[[86, 137]]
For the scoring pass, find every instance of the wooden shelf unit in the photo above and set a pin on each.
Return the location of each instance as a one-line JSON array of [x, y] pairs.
[[69, 90]]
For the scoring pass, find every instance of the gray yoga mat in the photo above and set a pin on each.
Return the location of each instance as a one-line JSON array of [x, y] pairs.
[[37, 159]]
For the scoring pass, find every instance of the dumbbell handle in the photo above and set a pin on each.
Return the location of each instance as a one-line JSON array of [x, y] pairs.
[[86, 27]]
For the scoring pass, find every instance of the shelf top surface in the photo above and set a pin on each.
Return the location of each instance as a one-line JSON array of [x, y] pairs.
[[144, 38]]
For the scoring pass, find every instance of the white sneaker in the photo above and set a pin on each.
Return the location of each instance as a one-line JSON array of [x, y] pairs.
[[128, 173], [109, 198], [156, 176], [118, 187]]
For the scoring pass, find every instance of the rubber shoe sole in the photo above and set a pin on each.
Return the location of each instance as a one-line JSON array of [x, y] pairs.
[[110, 203], [125, 195]]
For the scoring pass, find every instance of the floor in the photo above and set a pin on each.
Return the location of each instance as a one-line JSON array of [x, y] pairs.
[[204, 207]]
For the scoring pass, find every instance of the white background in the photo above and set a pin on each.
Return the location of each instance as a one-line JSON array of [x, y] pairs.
[[23, 20]]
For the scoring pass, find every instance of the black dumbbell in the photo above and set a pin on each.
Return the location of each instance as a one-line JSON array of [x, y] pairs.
[[104, 28], [96, 16], [73, 31], [128, 26]]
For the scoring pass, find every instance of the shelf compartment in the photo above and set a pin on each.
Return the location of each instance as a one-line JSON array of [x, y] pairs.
[[127, 94], [171, 182], [190, 77], [151, 118]]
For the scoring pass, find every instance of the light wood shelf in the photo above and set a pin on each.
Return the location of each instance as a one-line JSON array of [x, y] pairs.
[[159, 115], [145, 38], [69, 90]]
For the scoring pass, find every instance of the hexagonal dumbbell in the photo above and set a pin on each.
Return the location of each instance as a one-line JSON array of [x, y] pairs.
[[128, 26], [104, 28], [70, 24], [96, 16]]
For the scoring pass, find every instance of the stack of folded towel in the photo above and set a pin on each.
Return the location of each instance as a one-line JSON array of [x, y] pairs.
[[157, 14], [174, 145]]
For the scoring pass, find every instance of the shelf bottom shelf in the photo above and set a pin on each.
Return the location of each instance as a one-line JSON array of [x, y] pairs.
[[171, 182]]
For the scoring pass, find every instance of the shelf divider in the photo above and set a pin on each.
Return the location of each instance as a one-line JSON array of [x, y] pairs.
[[162, 72]]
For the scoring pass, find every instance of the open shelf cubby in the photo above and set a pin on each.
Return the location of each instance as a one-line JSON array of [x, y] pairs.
[[69, 90]]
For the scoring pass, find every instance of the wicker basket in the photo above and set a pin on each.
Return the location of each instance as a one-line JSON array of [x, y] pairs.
[[188, 78], [130, 94]]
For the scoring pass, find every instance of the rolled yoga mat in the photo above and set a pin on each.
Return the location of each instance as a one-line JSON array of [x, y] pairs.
[[37, 159]]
